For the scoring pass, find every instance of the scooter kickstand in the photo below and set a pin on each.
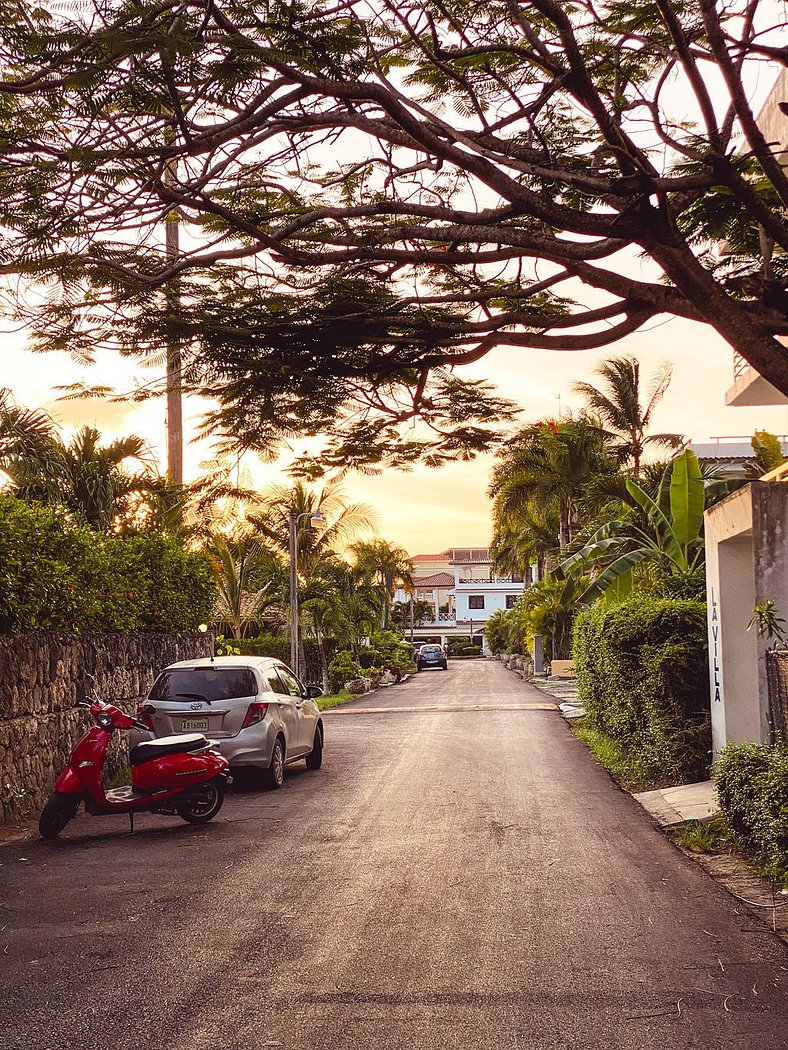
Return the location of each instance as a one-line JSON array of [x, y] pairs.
[[131, 823]]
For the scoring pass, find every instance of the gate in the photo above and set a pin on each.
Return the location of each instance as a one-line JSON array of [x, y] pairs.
[[777, 678]]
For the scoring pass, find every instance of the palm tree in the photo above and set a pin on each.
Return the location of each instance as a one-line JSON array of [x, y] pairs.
[[337, 604], [524, 539], [249, 579], [26, 435], [342, 521], [619, 409], [549, 467], [383, 565], [90, 479], [316, 544], [95, 483]]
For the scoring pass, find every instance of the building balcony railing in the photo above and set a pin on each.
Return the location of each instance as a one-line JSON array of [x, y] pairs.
[[445, 620], [740, 365], [503, 580]]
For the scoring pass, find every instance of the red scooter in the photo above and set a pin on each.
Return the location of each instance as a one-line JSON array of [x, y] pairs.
[[180, 775]]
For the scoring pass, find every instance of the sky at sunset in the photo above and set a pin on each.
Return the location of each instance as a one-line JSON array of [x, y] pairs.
[[429, 510]]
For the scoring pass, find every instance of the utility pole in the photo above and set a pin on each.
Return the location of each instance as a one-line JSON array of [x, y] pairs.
[[293, 590], [174, 374]]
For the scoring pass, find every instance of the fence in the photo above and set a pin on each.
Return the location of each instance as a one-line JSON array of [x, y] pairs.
[[43, 676], [777, 678]]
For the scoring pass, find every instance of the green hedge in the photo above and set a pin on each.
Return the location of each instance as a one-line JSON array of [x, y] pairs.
[[752, 787], [642, 674], [57, 576]]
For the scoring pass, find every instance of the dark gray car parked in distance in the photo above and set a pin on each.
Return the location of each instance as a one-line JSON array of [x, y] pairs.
[[431, 656]]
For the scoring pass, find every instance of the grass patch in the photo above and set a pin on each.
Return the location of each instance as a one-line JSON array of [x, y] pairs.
[[715, 836], [334, 700], [705, 836], [626, 767]]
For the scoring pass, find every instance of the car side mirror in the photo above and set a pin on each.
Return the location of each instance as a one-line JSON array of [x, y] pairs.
[[313, 691]]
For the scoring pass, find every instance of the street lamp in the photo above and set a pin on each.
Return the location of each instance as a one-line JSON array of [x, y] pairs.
[[315, 518]]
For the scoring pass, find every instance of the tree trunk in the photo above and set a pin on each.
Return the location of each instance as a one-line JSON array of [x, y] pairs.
[[564, 534], [735, 324], [301, 655], [321, 647]]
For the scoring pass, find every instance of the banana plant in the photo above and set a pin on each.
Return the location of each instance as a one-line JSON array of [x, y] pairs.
[[671, 538]]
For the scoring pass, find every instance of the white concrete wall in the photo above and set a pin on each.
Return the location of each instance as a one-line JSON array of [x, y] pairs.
[[494, 600], [746, 562]]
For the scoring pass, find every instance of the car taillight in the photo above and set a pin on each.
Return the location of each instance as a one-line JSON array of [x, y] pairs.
[[254, 713], [144, 715]]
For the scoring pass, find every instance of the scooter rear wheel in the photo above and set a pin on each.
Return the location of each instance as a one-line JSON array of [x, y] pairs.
[[203, 806], [58, 811]]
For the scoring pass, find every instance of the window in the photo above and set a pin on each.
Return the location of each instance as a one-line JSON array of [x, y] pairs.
[[511, 600], [205, 683], [475, 601], [276, 684], [290, 680]]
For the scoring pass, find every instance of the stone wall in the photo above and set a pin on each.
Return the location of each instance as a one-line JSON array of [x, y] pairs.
[[42, 678]]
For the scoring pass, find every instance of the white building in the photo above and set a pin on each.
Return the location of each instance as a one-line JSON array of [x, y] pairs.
[[747, 548], [464, 591]]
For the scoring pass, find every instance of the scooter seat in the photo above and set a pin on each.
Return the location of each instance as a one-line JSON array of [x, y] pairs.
[[166, 745]]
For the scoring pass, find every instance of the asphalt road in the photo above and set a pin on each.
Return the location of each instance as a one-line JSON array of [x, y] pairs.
[[450, 879]]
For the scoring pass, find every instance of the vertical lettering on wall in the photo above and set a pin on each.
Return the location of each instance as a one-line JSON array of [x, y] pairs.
[[715, 647]]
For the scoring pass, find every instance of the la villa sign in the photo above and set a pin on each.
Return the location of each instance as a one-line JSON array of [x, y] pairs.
[[714, 626]]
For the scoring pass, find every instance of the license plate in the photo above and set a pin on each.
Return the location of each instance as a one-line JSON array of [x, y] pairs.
[[194, 725]]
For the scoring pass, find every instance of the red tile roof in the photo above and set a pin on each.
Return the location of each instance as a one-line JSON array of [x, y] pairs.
[[438, 579]]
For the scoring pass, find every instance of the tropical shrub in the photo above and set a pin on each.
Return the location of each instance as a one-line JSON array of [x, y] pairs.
[[496, 632], [395, 655], [368, 658], [752, 787], [225, 646], [454, 646], [642, 675], [279, 649], [58, 576], [343, 668]]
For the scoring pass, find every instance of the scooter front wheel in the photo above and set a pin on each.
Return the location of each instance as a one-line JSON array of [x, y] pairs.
[[203, 805], [58, 811]]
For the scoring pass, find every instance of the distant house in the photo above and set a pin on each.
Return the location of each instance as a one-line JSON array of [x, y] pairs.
[[464, 590], [733, 457]]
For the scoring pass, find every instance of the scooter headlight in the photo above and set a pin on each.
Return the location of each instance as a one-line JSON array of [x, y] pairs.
[[104, 719]]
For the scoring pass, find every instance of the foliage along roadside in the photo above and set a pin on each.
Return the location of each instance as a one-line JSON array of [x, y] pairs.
[[752, 787], [642, 674], [58, 576]]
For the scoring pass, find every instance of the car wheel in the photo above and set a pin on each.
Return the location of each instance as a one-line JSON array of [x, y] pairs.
[[274, 776], [314, 760], [58, 811]]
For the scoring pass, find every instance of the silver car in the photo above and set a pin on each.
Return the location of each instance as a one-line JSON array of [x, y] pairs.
[[254, 707]]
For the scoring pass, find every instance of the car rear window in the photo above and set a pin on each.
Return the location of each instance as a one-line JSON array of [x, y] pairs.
[[431, 649], [220, 683]]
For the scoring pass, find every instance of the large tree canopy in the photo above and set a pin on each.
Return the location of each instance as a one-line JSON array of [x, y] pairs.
[[372, 192]]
